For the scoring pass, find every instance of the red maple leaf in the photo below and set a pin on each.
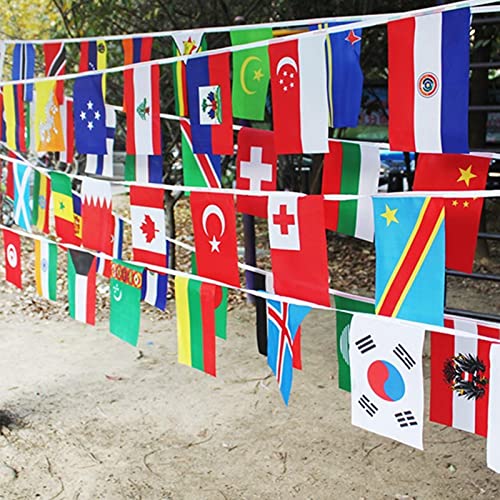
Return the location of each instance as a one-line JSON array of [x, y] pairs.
[[148, 228]]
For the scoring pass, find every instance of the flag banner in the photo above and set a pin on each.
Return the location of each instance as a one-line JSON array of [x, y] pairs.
[[351, 169], [259, 281], [82, 286], [344, 76], [103, 164], [89, 115], [9, 184], [283, 322], [184, 44], [77, 217], [117, 238], [300, 104], [214, 227], [55, 65], [66, 108], [22, 196], [23, 67], [144, 168], [297, 239], [256, 169], [154, 289], [49, 134], [343, 325], [203, 170], [93, 55], [460, 371], [125, 292], [250, 74], [456, 173], [12, 255], [148, 225], [429, 82], [409, 265], [41, 202], [142, 101], [387, 395], [493, 441], [210, 108], [137, 49], [15, 126], [62, 200], [46, 269], [3, 126]]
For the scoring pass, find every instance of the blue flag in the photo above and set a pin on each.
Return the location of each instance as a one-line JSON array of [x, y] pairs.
[[154, 289], [410, 253], [23, 67], [89, 115], [22, 211]]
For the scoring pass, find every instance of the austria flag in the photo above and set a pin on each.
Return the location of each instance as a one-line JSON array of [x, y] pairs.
[[300, 104], [429, 83]]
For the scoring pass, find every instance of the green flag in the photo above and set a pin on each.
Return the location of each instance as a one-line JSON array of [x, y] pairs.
[[125, 295], [343, 322], [250, 74]]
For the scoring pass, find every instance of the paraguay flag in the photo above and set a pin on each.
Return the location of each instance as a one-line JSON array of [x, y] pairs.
[[429, 83]]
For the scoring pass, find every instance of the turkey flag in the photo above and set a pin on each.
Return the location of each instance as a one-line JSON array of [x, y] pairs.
[[12, 251], [214, 227], [297, 238], [255, 169]]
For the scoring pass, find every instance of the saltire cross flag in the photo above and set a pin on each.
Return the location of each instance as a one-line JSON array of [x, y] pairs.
[[409, 265], [66, 108], [493, 441], [41, 201], [350, 168], [429, 82], [210, 109], [283, 322], [23, 67], [300, 104], [456, 173], [144, 168], [15, 126], [55, 65], [344, 76], [103, 164], [250, 74], [12, 254], [62, 200], [49, 133], [46, 269], [22, 196], [154, 288], [82, 286], [460, 374]]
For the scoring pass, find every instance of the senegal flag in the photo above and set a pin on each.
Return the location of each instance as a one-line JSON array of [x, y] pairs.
[[63, 207], [41, 199]]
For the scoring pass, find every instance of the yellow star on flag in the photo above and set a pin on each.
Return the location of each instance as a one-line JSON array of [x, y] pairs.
[[390, 215], [258, 75], [466, 175], [466, 204], [454, 203]]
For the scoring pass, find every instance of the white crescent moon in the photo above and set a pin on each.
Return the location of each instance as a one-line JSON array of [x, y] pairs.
[[284, 61], [213, 210], [117, 296]]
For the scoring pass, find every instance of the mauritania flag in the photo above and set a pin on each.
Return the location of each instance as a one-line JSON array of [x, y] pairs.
[[41, 200], [45, 269], [144, 168], [81, 286], [409, 266], [350, 169]]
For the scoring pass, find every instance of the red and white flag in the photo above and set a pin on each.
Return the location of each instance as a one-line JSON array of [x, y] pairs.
[[255, 169], [299, 92], [297, 238], [214, 227], [97, 218], [142, 102], [12, 252], [149, 244], [460, 371]]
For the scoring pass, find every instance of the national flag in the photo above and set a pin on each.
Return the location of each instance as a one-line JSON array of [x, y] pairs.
[[15, 126], [214, 228], [456, 173], [344, 75], [137, 49], [345, 308], [255, 169], [62, 201], [298, 247], [493, 441], [144, 168], [210, 109], [350, 168], [409, 266], [49, 133], [125, 292], [55, 65], [23, 67], [283, 321], [142, 101], [41, 201], [12, 254], [199, 169], [66, 108], [46, 269], [77, 217], [22, 196], [154, 289], [93, 55], [103, 164], [429, 82], [250, 74], [300, 104], [148, 225], [184, 43], [116, 248], [82, 286], [460, 374], [387, 394], [3, 126], [9, 183]]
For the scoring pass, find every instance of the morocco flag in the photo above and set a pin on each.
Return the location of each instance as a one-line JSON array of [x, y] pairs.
[[12, 251], [81, 286]]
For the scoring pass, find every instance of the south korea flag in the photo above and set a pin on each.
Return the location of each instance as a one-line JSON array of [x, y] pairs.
[[387, 379]]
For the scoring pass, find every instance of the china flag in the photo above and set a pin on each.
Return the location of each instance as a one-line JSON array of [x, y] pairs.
[[454, 172]]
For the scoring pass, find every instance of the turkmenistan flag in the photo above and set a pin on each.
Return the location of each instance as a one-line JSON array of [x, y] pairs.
[[343, 323], [63, 207], [81, 286], [125, 295], [250, 74], [46, 269], [350, 168], [41, 200]]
